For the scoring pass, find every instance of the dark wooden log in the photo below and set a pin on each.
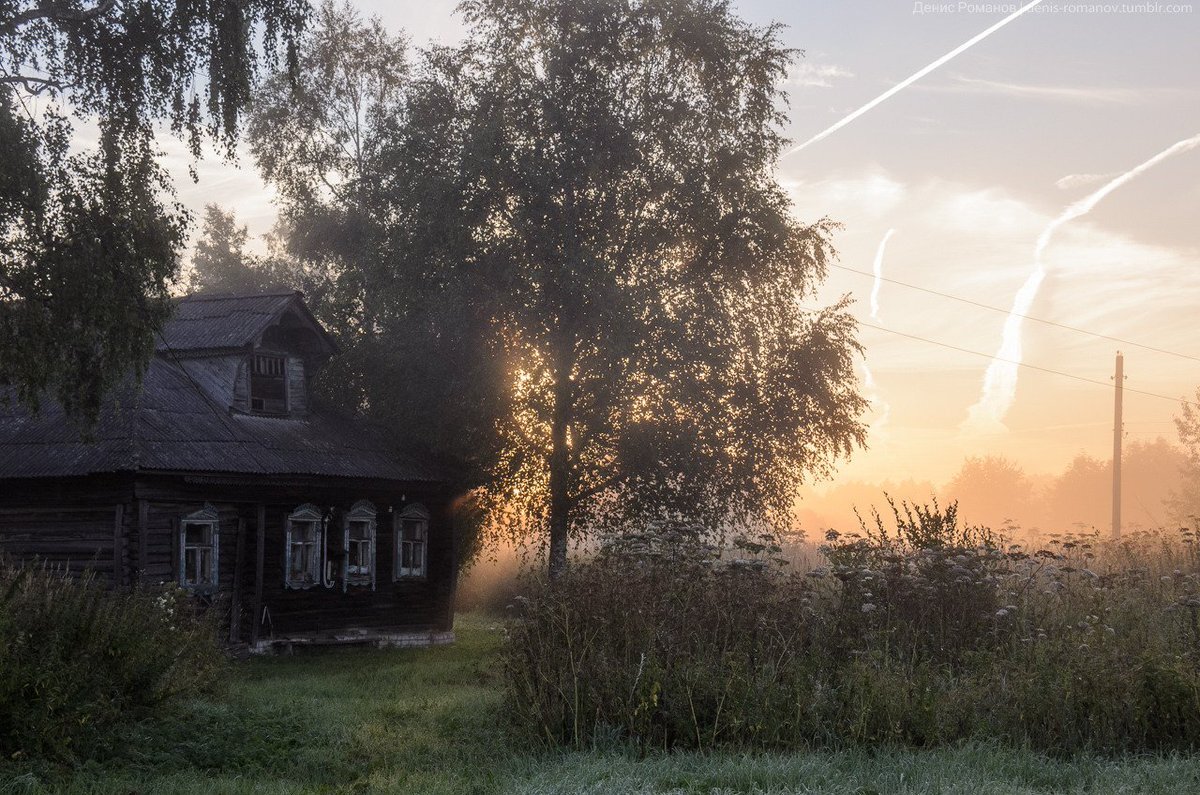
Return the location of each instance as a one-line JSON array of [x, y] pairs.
[[119, 547], [143, 521], [235, 602], [260, 542]]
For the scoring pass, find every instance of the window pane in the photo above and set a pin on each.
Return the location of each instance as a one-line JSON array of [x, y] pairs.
[[298, 560], [360, 530], [196, 534], [360, 558], [305, 532], [268, 385], [413, 529]]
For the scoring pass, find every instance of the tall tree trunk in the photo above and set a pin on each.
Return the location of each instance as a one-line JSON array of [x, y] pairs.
[[560, 474]]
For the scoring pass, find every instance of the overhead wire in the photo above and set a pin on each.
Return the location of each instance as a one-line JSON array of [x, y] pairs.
[[1050, 370], [982, 305]]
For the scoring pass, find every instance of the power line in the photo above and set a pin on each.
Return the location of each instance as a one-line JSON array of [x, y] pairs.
[[1050, 370], [1009, 312]]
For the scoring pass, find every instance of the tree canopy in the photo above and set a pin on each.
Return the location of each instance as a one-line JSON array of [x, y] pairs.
[[221, 263], [89, 239], [1185, 503], [584, 276]]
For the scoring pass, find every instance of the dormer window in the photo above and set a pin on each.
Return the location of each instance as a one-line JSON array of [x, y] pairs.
[[268, 384]]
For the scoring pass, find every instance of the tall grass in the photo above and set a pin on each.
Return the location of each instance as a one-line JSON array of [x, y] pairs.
[[926, 632], [77, 659]]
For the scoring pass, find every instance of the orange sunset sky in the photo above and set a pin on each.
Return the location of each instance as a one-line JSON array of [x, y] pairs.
[[966, 169]]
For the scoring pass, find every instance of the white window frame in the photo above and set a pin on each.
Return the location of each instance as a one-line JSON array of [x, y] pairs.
[[304, 514], [206, 517], [414, 512], [363, 512]]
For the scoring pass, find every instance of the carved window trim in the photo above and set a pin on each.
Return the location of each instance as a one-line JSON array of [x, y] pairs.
[[203, 553], [304, 544], [359, 565], [410, 557]]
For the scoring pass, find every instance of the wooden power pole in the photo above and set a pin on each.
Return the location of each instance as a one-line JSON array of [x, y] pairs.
[[1118, 428]]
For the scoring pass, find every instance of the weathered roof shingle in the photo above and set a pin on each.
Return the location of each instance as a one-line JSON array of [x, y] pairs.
[[224, 321], [172, 422]]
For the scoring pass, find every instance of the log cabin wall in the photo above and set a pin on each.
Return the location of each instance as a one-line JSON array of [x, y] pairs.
[[409, 604], [75, 524], [126, 531]]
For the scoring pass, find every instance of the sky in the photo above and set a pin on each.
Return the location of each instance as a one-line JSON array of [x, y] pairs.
[[1024, 137]]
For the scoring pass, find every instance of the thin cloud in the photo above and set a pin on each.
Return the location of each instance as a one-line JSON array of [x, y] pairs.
[[1085, 95], [1072, 181], [812, 75]]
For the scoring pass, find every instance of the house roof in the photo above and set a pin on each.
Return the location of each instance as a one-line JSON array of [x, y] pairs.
[[174, 422], [220, 321]]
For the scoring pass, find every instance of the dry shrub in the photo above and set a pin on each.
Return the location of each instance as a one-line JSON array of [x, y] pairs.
[[926, 633], [76, 658]]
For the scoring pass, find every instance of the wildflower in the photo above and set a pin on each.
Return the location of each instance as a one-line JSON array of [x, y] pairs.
[[868, 608]]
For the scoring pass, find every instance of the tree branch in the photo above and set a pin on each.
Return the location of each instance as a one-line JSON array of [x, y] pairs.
[[48, 11], [593, 490], [34, 85]]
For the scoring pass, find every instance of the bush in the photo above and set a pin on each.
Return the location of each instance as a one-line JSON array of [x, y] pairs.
[[924, 634], [77, 658]]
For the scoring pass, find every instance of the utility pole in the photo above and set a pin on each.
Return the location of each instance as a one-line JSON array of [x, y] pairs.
[[1118, 428]]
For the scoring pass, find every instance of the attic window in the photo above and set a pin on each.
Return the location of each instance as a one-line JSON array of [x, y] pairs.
[[268, 384]]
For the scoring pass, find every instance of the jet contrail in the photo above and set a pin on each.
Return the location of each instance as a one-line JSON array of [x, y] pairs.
[[879, 274], [874, 398], [1000, 381], [909, 81]]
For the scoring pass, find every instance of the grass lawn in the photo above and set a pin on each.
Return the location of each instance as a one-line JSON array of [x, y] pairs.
[[431, 721]]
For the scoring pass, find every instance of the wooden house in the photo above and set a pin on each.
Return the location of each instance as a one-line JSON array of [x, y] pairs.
[[218, 472]]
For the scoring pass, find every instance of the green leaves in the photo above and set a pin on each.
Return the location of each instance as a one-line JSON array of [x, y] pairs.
[[567, 260], [89, 241]]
